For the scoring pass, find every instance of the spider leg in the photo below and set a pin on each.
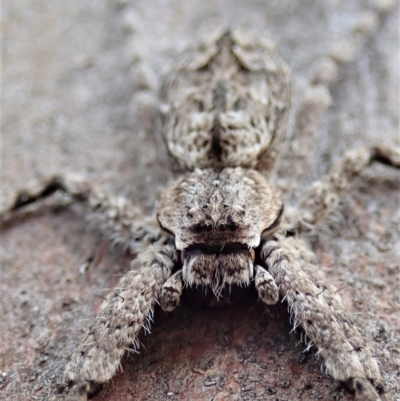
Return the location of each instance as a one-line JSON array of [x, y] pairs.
[[317, 97], [316, 307], [123, 315], [171, 292], [116, 217], [322, 198], [265, 285]]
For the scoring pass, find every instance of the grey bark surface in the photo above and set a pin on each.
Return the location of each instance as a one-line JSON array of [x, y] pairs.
[[67, 105]]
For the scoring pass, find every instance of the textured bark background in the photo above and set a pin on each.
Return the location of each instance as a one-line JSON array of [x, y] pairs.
[[68, 85]]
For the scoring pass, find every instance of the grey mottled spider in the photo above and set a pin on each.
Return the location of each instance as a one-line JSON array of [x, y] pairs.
[[224, 113]]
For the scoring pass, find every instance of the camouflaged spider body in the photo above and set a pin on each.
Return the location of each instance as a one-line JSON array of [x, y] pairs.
[[224, 112]]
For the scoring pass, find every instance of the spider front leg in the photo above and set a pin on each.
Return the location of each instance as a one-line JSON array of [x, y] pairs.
[[116, 217], [318, 310], [123, 314]]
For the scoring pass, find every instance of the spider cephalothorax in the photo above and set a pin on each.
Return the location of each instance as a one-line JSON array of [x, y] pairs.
[[217, 218]]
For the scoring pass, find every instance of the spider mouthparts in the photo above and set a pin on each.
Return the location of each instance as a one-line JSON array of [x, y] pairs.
[[223, 248], [217, 265]]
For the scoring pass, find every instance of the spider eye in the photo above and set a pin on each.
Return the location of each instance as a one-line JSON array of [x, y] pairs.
[[200, 105], [233, 226], [208, 227], [222, 227], [197, 228]]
